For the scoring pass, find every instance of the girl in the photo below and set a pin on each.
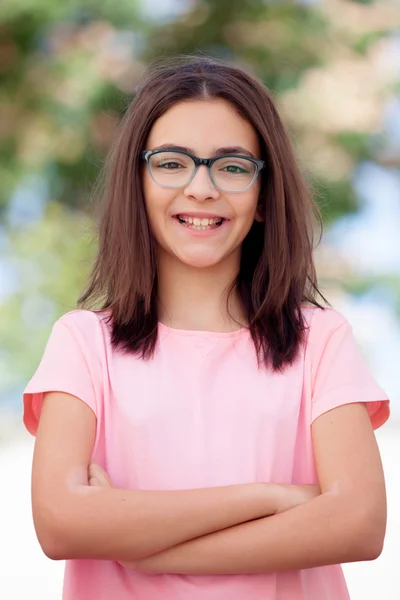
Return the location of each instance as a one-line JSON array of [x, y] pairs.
[[233, 413]]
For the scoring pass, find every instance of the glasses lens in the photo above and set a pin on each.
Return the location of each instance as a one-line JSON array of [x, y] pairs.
[[233, 174], [171, 169]]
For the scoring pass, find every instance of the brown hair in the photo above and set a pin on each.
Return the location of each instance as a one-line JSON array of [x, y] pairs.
[[277, 273]]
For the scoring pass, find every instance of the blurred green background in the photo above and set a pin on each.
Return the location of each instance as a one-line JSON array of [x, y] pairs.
[[70, 68]]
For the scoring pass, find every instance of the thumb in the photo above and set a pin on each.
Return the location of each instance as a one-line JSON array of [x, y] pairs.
[[97, 476]]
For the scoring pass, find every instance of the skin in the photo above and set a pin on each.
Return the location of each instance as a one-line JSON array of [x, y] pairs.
[[77, 511], [162, 203], [292, 496], [345, 523], [195, 272]]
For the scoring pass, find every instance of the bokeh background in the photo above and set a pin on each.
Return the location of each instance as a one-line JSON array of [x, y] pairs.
[[68, 70]]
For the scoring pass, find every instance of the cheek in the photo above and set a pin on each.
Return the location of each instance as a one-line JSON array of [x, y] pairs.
[[246, 208], [157, 201]]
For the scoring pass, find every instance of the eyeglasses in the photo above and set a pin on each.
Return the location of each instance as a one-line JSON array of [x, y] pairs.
[[176, 169]]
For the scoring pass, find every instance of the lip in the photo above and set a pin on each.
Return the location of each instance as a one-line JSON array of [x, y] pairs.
[[200, 215], [200, 233]]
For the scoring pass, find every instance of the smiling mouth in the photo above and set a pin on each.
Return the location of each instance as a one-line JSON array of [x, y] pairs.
[[201, 224]]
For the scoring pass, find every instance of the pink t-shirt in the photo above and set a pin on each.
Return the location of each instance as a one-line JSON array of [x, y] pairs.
[[201, 414]]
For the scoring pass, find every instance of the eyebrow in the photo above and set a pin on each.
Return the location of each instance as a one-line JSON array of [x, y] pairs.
[[217, 152]]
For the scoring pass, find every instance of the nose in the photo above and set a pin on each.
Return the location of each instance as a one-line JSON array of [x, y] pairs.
[[201, 187]]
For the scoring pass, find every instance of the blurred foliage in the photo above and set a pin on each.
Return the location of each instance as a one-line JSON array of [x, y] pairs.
[[51, 259], [59, 95], [387, 285], [68, 70]]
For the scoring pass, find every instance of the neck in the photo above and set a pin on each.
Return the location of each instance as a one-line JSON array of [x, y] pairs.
[[197, 299]]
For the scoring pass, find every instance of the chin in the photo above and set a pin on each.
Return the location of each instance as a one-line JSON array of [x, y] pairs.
[[200, 262]]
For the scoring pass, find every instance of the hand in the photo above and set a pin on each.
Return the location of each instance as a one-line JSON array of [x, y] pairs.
[[98, 477], [290, 496]]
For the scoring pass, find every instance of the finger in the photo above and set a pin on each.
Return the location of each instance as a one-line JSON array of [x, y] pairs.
[[98, 472], [95, 482]]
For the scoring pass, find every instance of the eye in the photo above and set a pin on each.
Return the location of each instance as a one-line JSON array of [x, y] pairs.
[[170, 165], [234, 169], [170, 161], [232, 165]]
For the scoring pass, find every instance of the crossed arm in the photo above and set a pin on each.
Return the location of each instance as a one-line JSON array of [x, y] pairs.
[[235, 529]]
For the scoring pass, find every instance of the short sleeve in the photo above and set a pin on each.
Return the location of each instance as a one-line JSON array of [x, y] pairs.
[[341, 376], [64, 367]]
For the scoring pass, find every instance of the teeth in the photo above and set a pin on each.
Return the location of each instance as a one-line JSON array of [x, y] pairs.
[[197, 222]]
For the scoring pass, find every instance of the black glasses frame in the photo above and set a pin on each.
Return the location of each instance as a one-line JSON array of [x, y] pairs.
[[207, 162]]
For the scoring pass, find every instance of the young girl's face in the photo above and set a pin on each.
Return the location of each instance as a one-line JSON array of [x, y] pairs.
[[198, 224]]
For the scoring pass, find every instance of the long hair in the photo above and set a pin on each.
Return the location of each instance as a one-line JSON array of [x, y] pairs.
[[277, 274]]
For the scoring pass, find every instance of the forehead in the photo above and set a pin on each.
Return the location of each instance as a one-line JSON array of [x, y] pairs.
[[203, 125]]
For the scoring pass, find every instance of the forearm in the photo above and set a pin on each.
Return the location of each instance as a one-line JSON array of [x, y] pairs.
[[114, 524], [321, 532]]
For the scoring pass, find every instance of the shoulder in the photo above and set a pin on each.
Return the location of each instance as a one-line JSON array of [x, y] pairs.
[[89, 327], [323, 321], [83, 318], [322, 324]]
